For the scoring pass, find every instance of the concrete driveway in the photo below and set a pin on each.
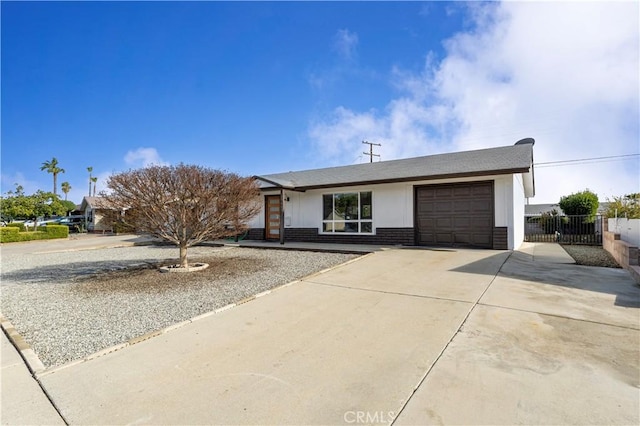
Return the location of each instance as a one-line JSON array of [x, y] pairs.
[[399, 336]]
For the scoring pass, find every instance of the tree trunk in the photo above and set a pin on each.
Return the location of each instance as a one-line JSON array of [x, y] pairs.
[[55, 183], [183, 256]]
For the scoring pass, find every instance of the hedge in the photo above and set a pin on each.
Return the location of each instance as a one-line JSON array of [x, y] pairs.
[[12, 234], [17, 225], [57, 231]]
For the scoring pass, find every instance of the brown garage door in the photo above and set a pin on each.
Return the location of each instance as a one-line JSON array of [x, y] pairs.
[[458, 214]]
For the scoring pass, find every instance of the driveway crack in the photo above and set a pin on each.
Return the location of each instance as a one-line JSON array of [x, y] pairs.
[[462, 323], [389, 292]]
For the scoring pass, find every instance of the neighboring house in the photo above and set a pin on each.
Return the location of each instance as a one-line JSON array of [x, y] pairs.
[[472, 198], [94, 210], [538, 209]]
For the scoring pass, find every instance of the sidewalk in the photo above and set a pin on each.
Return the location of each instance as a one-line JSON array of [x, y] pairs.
[[545, 252], [22, 399]]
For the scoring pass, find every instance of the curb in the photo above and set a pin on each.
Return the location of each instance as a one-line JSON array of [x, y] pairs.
[[43, 371], [30, 358]]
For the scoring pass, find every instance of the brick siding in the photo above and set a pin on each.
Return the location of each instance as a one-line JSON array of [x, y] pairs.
[[500, 237], [383, 236]]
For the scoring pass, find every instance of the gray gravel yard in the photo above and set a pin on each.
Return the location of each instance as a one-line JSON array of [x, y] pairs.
[[68, 305], [590, 255]]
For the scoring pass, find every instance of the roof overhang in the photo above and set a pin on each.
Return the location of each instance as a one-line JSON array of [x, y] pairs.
[[529, 181], [529, 184], [276, 184], [290, 186]]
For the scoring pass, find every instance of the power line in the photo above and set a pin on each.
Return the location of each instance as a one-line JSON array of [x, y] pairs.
[[584, 163], [584, 160]]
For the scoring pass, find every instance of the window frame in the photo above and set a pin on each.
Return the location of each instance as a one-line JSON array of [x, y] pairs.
[[359, 221]]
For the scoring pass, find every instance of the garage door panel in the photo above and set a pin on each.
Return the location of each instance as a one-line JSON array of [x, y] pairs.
[[462, 238], [481, 222], [463, 222], [481, 206], [426, 223], [444, 223], [444, 238], [427, 193], [425, 208], [483, 240], [480, 190], [461, 191], [455, 214], [443, 206], [429, 239], [443, 192], [461, 206]]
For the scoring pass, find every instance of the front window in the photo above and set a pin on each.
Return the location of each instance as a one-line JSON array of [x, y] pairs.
[[347, 212]]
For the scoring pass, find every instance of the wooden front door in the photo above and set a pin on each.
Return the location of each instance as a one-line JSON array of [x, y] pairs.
[[272, 219]]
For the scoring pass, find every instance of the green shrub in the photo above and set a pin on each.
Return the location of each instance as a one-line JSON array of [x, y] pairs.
[[57, 231], [552, 221], [12, 234], [9, 234], [583, 203], [18, 225], [627, 206], [30, 236]]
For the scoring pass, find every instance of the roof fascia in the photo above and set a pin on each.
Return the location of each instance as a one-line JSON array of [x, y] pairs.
[[274, 183], [413, 178]]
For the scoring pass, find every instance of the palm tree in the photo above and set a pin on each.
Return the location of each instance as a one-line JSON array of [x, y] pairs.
[[89, 169], [94, 180], [66, 187], [52, 167]]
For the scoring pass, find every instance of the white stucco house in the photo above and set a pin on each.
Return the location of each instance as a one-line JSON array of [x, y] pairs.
[[472, 198]]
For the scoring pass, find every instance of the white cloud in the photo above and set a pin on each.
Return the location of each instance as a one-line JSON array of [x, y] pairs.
[[9, 183], [345, 43], [565, 74], [143, 157]]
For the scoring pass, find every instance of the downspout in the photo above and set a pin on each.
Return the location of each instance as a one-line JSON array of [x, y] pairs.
[[281, 215]]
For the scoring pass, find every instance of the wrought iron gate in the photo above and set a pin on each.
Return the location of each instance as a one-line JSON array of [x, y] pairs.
[[551, 228]]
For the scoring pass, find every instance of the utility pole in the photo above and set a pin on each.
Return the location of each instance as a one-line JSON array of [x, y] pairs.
[[370, 153]]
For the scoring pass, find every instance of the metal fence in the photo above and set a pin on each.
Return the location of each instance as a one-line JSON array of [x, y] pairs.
[[548, 228]]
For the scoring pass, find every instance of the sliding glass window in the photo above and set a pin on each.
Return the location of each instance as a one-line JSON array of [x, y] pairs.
[[347, 213]]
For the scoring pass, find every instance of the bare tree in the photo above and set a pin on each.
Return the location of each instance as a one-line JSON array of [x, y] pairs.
[[184, 204]]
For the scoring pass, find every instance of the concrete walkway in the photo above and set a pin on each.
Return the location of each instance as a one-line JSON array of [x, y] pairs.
[[546, 252], [22, 400], [406, 336]]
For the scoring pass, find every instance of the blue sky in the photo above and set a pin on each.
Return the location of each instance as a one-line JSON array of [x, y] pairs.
[[266, 87]]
